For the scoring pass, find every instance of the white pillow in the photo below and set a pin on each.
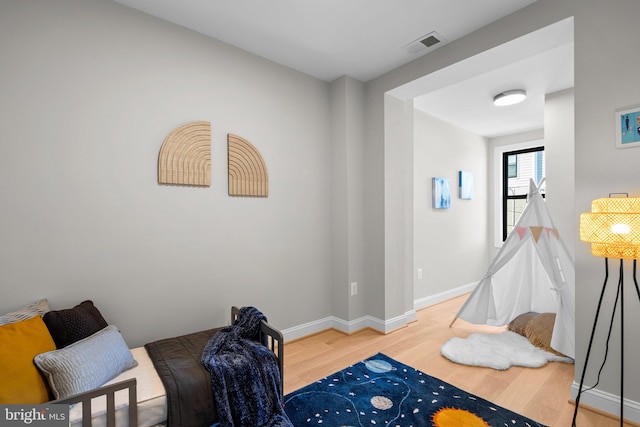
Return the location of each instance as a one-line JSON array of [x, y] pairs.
[[32, 310], [86, 364]]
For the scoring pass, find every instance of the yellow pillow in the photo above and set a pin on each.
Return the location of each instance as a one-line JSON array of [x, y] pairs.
[[20, 379]]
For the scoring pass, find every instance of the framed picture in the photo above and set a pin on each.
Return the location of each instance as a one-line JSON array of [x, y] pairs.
[[628, 127], [441, 194], [465, 184]]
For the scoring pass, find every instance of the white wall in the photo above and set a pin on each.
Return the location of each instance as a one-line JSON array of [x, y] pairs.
[[90, 89], [450, 245]]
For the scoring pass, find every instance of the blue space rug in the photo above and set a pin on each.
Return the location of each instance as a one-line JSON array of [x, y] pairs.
[[384, 392]]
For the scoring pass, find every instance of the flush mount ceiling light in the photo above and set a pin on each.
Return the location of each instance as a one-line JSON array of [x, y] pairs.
[[509, 97]]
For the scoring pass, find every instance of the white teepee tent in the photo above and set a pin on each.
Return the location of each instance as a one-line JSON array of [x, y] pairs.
[[533, 271]]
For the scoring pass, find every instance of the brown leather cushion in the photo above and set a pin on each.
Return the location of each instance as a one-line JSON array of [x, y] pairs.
[[519, 324], [539, 331]]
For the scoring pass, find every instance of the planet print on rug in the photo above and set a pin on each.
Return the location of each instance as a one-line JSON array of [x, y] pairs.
[[384, 392]]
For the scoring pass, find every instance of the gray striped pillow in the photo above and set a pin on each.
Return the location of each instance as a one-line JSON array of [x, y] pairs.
[[32, 310], [86, 364]]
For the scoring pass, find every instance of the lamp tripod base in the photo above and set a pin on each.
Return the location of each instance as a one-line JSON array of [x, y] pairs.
[[619, 296]]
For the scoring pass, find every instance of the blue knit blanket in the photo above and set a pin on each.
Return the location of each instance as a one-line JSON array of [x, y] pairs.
[[244, 375]]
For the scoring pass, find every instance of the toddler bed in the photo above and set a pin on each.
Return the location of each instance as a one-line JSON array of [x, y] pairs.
[[163, 383]]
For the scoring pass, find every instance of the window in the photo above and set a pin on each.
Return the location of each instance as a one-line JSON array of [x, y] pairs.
[[512, 166], [517, 168]]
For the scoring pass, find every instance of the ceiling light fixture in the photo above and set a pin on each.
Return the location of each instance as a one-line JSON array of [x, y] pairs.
[[509, 97]]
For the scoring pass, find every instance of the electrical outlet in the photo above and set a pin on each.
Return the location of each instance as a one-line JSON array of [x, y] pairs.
[[354, 288], [419, 273]]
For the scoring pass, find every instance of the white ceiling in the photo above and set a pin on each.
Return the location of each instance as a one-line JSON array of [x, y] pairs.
[[469, 103], [367, 38]]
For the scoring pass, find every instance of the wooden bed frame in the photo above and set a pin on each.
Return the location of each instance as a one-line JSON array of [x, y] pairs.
[[269, 336]]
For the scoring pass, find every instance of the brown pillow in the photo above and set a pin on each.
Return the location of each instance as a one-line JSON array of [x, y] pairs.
[[539, 331], [73, 324], [519, 324]]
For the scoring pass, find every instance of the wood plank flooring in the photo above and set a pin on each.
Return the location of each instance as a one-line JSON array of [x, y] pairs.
[[541, 394]]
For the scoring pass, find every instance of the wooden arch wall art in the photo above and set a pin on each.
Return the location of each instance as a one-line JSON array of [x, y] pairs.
[[185, 156], [247, 171]]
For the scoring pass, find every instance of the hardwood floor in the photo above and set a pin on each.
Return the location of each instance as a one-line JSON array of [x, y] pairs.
[[541, 394]]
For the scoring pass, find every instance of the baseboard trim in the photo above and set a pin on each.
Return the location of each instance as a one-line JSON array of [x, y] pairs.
[[348, 327], [443, 296], [383, 326], [607, 403], [307, 329]]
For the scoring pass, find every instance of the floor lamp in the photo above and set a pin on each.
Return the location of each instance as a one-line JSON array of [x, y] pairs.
[[613, 229]]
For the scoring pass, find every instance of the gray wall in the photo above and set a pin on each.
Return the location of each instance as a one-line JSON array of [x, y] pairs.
[[347, 198], [90, 89], [606, 80], [450, 244], [559, 145]]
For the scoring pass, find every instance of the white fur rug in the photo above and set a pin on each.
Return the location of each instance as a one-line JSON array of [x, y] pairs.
[[498, 351]]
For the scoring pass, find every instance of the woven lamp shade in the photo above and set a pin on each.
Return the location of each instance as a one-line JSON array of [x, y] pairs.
[[613, 227]]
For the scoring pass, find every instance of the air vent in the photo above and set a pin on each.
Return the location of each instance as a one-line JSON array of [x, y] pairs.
[[428, 41]]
